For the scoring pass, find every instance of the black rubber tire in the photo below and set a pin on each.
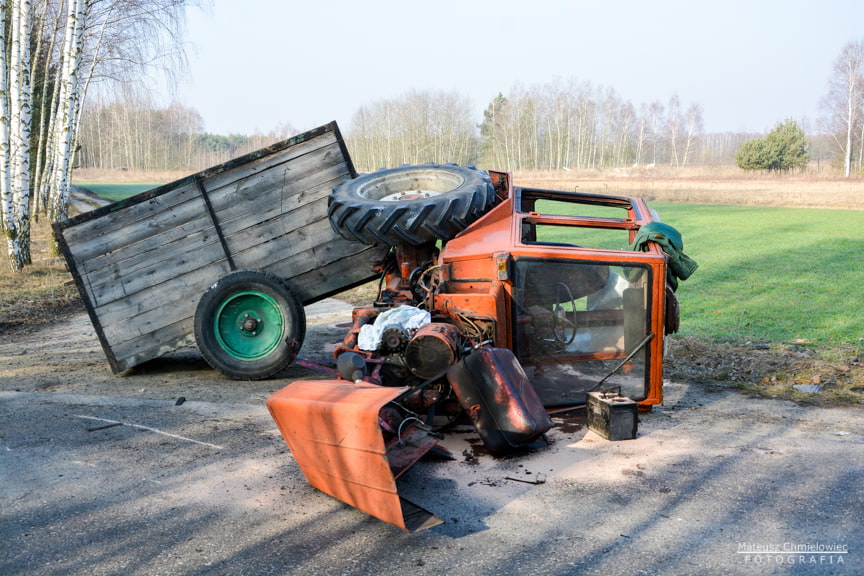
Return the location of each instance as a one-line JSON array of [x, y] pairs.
[[214, 340], [410, 205]]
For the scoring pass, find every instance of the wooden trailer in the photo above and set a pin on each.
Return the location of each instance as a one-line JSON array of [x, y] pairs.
[[142, 264]]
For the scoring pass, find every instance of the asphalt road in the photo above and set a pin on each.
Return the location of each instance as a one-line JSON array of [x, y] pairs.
[[103, 474]]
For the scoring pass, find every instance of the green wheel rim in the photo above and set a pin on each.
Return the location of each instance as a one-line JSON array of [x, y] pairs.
[[249, 325]]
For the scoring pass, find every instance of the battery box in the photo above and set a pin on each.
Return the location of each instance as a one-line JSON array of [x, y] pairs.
[[612, 416]]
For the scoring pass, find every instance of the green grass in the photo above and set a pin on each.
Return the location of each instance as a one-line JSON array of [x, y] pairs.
[[771, 274], [116, 191]]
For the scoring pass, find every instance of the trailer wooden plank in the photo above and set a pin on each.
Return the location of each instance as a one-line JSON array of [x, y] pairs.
[[177, 259], [126, 226], [327, 144], [179, 334], [240, 231], [271, 248], [128, 252], [287, 177], [307, 283], [164, 341], [235, 214], [138, 207], [321, 256], [150, 315], [134, 256], [148, 311], [144, 311], [135, 267]]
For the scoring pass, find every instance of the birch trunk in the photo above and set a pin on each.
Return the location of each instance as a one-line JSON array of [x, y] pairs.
[[17, 179], [20, 130], [44, 149], [8, 221], [861, 148], [850, 122], [68, 110]]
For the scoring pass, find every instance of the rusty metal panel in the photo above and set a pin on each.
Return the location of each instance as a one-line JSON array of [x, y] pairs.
[[333, 430]]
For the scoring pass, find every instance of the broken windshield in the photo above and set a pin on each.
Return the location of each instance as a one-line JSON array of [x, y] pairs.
[[575, 322]]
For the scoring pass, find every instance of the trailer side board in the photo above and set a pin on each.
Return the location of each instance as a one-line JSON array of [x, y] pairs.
[[142, 264]]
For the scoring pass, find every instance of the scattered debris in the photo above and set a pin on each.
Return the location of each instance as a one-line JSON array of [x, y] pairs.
[[112, 423], [105, 427], [808, 388], [541, 479]]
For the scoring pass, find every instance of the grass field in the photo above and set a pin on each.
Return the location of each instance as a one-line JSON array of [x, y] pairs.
[[771, 274], [116, 190]]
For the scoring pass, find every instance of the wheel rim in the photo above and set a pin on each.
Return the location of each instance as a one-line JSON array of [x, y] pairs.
[[249, 325], [413, 185], [409, 195]]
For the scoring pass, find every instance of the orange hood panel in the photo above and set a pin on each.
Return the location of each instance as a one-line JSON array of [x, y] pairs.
[[332, 428]]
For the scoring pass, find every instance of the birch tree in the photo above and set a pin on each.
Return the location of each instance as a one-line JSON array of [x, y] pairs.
[[693, 130], [673, 129], [575, 125], [420, 127], [100, 41], [67, 110], [844, 103], [7, 207], [15, 132]]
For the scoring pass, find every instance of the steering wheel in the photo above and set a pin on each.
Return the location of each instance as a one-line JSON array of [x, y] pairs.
[[563, 328]]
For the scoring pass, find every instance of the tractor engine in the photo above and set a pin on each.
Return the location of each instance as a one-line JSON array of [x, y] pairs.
[[433, 349], [391, 354], [399, 341]]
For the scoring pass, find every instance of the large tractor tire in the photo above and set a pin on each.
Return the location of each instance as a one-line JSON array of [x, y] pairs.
[[249, 325], [410, 205]]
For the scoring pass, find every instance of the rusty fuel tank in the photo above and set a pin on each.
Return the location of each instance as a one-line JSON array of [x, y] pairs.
[[499, 398]]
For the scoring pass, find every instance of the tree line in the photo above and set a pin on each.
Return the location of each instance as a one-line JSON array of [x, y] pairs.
[[545, 127], [129, 132], [564, 125]]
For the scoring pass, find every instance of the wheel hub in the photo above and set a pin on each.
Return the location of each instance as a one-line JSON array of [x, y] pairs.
[[250, 324]]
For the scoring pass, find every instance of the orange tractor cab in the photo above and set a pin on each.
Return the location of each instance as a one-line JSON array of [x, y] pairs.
[[496, 303]]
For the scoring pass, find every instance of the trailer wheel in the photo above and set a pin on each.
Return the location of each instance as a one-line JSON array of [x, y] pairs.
[[410, 205], [249, 325]]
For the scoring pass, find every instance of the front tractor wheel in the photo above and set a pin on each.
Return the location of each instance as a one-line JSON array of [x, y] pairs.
[[249, 325]]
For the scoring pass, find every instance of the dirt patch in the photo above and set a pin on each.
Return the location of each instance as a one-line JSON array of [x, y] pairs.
[[708, 185], [39, 295], [786, 371]]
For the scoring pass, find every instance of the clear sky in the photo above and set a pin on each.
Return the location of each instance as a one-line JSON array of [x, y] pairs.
[[256, 65]]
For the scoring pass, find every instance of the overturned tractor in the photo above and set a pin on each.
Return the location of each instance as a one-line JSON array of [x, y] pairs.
[[494, 302]]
